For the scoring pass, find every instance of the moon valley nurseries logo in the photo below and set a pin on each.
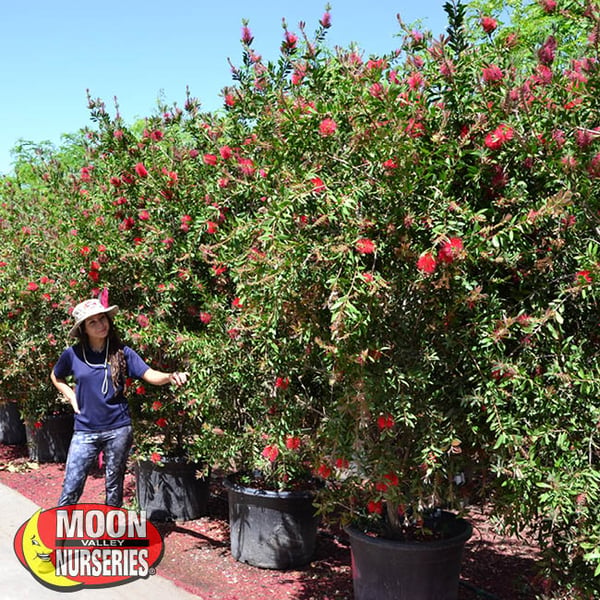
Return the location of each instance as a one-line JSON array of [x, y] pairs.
[[88, 545]]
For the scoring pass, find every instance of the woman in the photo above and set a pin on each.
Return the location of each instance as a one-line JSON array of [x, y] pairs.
[[100, 365]]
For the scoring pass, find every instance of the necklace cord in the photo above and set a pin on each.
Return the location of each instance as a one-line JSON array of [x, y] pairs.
[[104, 366]]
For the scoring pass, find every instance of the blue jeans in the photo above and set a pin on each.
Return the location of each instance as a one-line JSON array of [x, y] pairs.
[[83, 453]]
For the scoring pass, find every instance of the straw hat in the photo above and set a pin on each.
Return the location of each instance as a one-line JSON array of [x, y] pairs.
[[89, 308]]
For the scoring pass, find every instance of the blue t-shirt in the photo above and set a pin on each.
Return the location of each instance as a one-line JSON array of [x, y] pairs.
[[98, 411]]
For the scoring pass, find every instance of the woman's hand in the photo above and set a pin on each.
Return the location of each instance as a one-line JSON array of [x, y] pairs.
[[178, 378], [66, 390]]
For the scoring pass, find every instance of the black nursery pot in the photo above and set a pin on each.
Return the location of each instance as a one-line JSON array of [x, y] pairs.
[[269, 529], [12, 428], [172, 490], [50, 442], [420, 570]]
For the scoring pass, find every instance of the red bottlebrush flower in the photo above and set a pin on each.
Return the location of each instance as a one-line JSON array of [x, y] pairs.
[[381, 487], [292, 442], [246, 166], [417, 37], [172, 180], [115, 181], [282, 383], [496, 139], [543, 75], [143, 320], [365, 246], [162, 422], [94, 275], [492, 74], [488, 24], [157, 135], [450, 249], [233, 333], [118, 134], [205, 317], [127, 223], [229, 100], [237, 303], [226, 152], [212, 227], [377, 90], [327, 127], [155, 457], [194, 153], [415, 129], [185, 223], [298, 75], [583, 276], [318, 185], [32, 286], [547, 52], [385, 422], [392, 479], [368, 277], [593, 168], [324, 471], [549, 6], [141, 170], [289, 42], [140, 390], [415, 80], [502, 372], [426, 263], [219, 269], [584, 137], [377, 64], [341, 463], [247, 36], [390, 164], [157, 405], [325, 20], [144, 215], [38, 424], [210, 159], [270, 453], [375, 507]]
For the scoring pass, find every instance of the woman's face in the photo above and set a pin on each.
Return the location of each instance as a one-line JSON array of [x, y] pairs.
[[97, 327]]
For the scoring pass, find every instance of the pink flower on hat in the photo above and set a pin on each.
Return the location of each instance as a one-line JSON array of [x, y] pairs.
[[89, 308]]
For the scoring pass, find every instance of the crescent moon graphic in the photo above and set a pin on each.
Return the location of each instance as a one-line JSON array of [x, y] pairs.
[[39, 557]]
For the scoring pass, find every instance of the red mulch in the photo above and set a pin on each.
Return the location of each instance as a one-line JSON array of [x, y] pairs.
[[197, 556]]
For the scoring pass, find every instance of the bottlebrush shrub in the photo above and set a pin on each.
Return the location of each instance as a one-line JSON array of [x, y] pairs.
[[411, 240], [426, 234]]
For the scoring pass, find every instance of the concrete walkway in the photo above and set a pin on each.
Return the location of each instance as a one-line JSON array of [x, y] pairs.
[[17, 583]]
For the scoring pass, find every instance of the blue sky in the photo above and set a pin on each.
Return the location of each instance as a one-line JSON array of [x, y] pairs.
[[142, 50]]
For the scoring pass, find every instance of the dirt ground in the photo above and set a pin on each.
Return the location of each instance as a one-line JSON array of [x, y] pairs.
[[197, 556]]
